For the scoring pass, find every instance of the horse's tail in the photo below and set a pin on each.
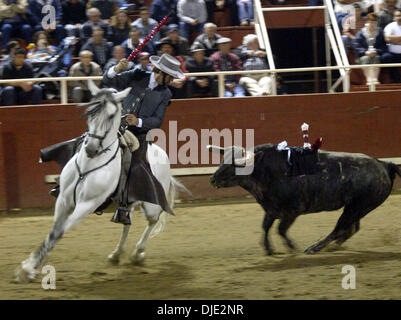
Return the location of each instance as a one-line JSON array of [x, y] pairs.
[[174, 188]]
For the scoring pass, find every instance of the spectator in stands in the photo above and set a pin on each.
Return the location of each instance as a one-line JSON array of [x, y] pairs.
[[386, 14], [40, 20], [40, 46], [192, 15], [208, 39], [19, 93], [224, 60], [245, 12], [257, 84], [178, 87], [106, 8], [369, 45], [73, 16], [161, 8], [351, 25], [84, 68], [143, 62], [99, 47], [10, 49], [392, 35], [145, 24], [118, 54], [212, 5], [134, 40], [120, 27], [94, 21], [13, 22], [199, 63], [180, 43], [344, 8]]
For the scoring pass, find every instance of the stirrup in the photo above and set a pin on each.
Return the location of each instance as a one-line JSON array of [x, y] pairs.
[[121, 216]]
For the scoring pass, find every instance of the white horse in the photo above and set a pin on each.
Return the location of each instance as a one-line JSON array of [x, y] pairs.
[[92, 175]]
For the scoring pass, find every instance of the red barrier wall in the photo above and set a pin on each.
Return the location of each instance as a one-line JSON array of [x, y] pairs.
[[367, 122]]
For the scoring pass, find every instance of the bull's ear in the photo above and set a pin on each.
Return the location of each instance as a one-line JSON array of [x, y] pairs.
[[258, 156]]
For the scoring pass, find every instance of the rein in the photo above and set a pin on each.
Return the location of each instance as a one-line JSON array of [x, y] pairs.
[[81, 175]]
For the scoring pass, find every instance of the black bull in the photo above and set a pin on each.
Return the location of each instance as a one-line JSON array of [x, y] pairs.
[[356, 182]]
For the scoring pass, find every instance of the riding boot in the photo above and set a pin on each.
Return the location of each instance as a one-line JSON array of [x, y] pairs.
[[55, 191], [121, 216]]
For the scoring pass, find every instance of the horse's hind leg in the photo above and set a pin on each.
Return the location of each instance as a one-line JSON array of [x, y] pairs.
[[152, 213], [114, 257]]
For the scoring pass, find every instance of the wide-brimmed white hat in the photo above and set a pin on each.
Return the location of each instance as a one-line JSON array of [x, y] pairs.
[[168, 64]]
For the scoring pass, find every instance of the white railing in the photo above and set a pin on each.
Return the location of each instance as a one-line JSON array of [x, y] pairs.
[[220, 75], [261, 32]]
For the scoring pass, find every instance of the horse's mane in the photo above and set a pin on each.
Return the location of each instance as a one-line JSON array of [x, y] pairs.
[[98, 102]]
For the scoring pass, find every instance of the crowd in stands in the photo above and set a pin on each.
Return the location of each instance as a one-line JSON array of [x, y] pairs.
[[87, 37], [372, 34]]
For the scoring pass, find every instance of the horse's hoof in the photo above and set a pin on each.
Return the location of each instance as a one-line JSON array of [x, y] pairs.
[[138, 257], [24, 274], [114, 258]]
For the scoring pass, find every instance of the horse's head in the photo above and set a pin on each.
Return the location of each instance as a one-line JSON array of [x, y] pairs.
[[104, 117]]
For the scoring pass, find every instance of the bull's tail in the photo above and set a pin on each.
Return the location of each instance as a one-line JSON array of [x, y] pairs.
[[393, 169]]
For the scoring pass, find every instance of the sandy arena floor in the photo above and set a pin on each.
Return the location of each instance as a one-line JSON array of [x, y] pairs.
[[209, 252]]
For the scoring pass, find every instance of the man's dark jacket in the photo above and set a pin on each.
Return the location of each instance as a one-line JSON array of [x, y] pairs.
[[153, 103]]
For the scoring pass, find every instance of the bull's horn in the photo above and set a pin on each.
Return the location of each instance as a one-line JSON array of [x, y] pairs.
[[93, 88], [245, 161], [216, 148]]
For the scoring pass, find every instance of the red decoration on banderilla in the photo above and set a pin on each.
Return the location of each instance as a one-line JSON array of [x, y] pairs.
[[156, 29], [305, 134]]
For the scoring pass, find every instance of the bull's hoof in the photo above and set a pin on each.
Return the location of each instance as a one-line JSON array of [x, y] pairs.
[[313, 249]]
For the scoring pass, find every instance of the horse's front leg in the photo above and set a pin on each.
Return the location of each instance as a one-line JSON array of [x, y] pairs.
[[114, 257], [31, 267]]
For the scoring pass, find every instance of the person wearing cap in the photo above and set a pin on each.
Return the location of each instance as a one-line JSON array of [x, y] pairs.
[[208, 39], [178, 87], [181, 44], [199, 63], [143, 62], [224, 60], [144, 107]]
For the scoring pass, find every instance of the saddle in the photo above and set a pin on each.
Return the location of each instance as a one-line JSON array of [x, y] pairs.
[[136, 183]]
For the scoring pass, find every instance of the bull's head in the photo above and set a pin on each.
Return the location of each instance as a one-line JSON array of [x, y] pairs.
[[235, 159]]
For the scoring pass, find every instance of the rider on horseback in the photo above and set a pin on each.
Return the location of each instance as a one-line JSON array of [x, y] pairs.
[[144, 108]]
